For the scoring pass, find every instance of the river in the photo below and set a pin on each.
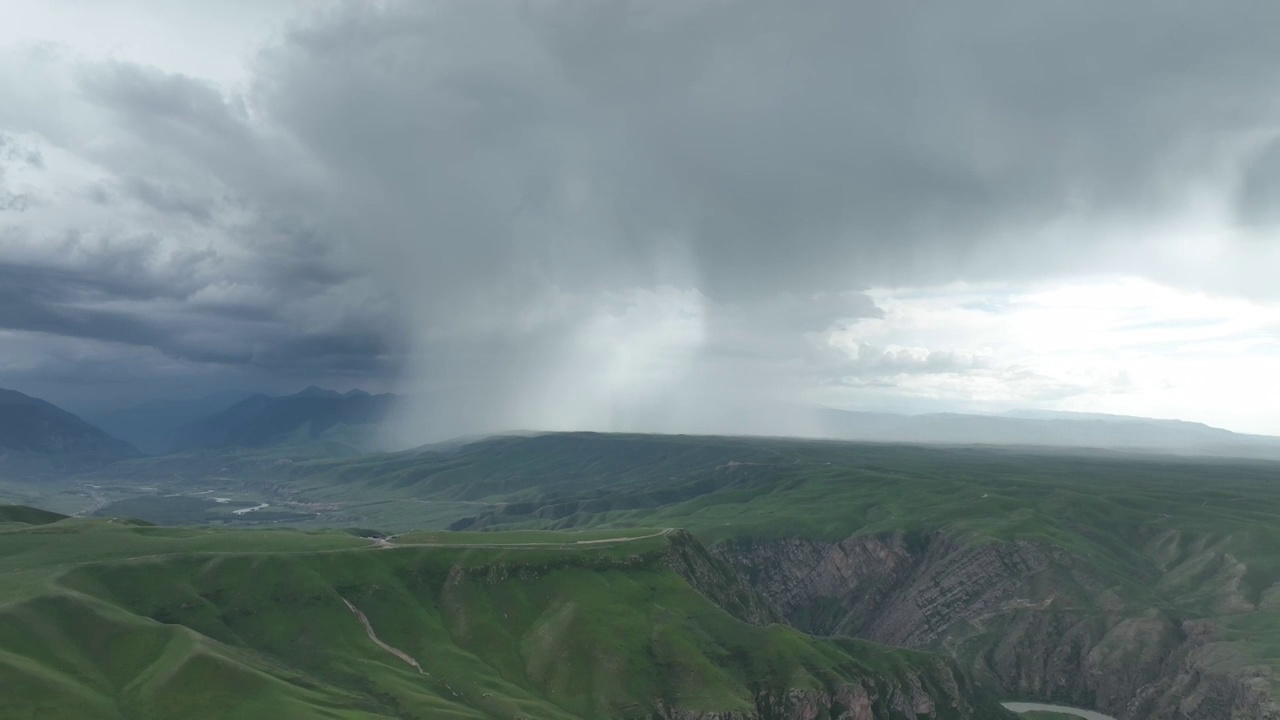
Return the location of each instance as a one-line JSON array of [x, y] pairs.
[[1021, 707]]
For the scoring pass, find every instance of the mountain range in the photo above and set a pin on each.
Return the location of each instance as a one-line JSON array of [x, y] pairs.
[[352, 418], [353, 422], [31, 428], [152, 425], [1048, 429]]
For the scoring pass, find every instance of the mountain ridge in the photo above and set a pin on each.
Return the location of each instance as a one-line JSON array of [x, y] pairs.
[[1048, 429], [151, 425], [312, 414], [39, 429]]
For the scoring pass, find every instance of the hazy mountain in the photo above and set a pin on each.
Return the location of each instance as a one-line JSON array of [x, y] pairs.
[[152, 426], [313, 414], [1050, 429], [30, 427]]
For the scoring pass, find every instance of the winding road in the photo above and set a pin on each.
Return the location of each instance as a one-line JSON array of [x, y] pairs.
[[386, 544]]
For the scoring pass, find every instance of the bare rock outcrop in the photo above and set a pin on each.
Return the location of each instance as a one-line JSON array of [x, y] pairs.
[[1026, 619]]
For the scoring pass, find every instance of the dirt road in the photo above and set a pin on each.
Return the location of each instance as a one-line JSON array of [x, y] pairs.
[[386, 544], [374, 637]]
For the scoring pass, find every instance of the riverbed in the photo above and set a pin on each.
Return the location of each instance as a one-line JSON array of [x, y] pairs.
[[1022, 707]]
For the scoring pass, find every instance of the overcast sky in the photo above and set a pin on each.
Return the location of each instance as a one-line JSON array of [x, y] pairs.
[[685, 215]]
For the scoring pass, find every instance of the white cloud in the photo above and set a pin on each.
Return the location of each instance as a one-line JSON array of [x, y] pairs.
[[626, 351], [1121, 345], [211, 40]]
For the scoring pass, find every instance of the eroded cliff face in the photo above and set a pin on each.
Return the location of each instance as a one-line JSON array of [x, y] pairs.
[[718, 581], [1027, 619], [937, 689]]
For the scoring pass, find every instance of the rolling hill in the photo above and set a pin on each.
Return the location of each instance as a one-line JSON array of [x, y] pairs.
[[20, 514], [100, 619]]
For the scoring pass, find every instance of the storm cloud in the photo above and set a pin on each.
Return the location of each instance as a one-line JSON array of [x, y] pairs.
[[634, 214]]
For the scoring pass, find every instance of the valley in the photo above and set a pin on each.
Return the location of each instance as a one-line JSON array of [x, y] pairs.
[[639, 360], [1138, 586]]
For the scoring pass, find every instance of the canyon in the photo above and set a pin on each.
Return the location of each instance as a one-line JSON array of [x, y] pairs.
[[1027, 619]]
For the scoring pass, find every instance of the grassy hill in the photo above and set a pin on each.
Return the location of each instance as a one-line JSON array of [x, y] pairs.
[[101, 619], [1092, 579], [22, 515]]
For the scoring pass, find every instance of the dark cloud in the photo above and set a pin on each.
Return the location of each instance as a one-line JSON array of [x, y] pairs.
[[186, 116], [93, 305], [487, 187], [825, 145], [1259, 198], [51, 302]]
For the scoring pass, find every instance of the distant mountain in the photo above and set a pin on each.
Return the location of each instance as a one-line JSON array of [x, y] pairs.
[[1049, 429], [152, 426], [314, 414], [31, 428]]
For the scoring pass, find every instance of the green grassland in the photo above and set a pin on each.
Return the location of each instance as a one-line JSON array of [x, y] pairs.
[[524, 537], [1105, 507], [1158, 528], [109, 619], [1189, 538]]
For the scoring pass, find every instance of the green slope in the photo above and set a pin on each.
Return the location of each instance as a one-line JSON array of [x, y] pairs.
[[28, 515], [101, 619]]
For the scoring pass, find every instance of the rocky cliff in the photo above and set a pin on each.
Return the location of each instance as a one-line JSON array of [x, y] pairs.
[[940, 693], [718, 581], [1028, 619], [937, 690]]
